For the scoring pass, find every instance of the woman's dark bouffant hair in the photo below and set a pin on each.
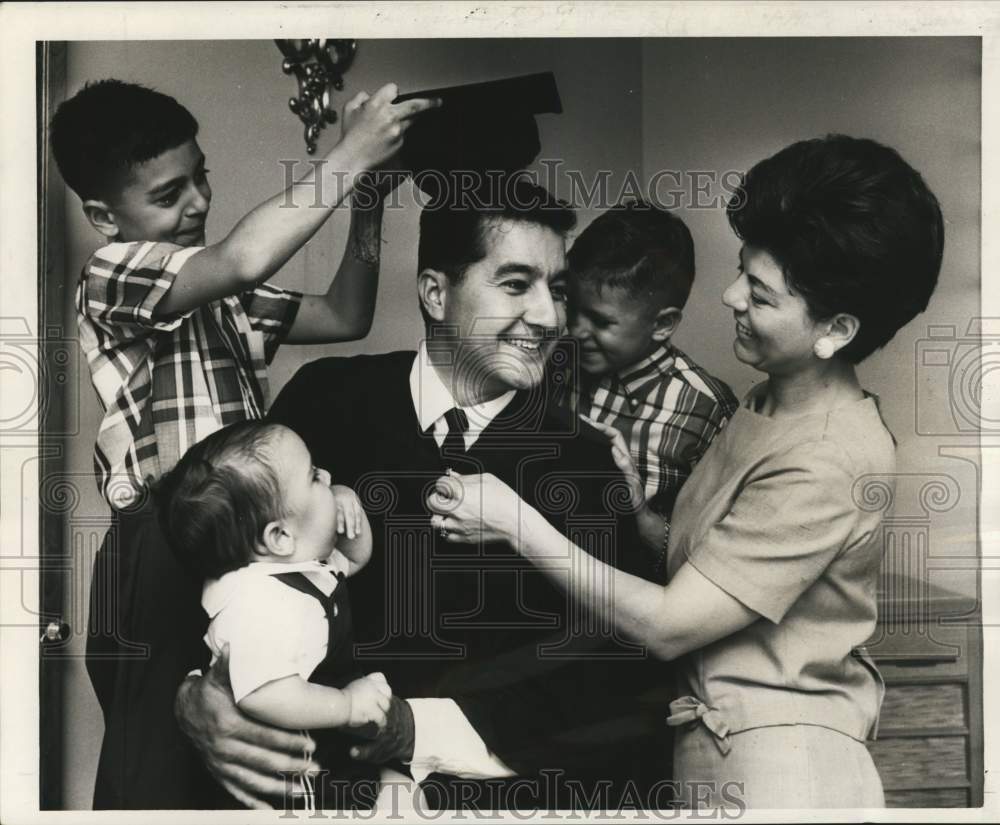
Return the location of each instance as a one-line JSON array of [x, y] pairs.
[[214, 504], [854, 228]]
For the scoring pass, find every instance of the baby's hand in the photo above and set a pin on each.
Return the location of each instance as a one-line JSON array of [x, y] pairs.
[[370, 697], [349, 511]]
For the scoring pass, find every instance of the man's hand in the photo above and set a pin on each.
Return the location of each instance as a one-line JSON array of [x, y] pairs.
[[395, 741], [246, 757]]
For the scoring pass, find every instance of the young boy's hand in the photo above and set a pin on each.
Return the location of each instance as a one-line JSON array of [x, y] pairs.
[[350, 513], [370, 697], [651, 525], [623, 461], [374, 126]]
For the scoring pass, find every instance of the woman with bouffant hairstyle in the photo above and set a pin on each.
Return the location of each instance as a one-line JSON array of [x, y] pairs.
[[773, 560]]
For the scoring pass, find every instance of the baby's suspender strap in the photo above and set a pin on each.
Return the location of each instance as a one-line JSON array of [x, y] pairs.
[[299, 581]]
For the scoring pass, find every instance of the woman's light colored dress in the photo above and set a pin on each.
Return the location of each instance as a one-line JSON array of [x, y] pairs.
[[784, 515]]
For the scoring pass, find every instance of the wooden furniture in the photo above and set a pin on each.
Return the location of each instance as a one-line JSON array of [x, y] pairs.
[[928, 647]]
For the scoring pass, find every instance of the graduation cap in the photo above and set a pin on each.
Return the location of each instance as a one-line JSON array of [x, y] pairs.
[[480, 128]]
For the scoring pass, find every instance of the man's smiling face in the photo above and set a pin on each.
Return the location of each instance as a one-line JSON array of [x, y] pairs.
[[508, 309]]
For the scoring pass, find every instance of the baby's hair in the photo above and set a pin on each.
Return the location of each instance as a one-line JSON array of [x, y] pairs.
[[638, 247], [214, 505], [108, 127]]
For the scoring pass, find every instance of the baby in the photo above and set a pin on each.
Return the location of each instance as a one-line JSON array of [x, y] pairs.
[[274, 540]]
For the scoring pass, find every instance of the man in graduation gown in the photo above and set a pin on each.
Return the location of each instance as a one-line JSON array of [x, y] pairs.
[[497, 675]]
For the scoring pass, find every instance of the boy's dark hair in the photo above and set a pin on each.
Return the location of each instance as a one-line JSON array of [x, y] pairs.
[[214, 504], [645, 250], [854, 227], [108, 127], [453, 232]]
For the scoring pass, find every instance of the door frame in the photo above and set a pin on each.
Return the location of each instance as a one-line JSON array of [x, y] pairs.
[[50, 79]]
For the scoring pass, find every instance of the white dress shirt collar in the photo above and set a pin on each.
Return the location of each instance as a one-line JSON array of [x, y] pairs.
[[217, 592], [432, 399]]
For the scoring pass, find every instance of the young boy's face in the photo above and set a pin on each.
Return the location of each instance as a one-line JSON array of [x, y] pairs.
[[167, 198], [612, 328], [308, 501]]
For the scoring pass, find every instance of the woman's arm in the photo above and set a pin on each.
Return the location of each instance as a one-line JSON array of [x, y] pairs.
[[688, 613]]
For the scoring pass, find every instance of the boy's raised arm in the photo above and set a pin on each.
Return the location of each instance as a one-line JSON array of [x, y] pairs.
[[345, 311], [264, 239]]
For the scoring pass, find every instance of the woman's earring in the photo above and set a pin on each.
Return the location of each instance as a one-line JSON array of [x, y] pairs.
[[823, 348]]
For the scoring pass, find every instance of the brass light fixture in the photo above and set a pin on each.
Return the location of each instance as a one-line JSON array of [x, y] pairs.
[[319, 67]]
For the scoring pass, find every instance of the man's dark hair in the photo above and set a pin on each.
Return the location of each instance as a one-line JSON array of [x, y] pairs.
[[214, 504], [108, 127], [645, 250], [454, 232], [854, 227]]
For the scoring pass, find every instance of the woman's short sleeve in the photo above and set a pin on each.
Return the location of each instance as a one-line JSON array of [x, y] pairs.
[[791, 519]]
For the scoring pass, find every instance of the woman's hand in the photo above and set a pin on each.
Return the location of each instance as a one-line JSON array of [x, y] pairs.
[[246, 757], [478, 508]]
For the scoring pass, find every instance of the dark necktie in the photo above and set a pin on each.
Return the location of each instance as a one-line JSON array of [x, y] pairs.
[[454, 441]]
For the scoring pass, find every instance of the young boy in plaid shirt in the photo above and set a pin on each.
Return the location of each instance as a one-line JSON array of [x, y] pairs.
[[177, 335], [630, 274]]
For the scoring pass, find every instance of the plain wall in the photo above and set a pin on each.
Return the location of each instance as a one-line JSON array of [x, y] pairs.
[[720, 104], [630, 105]]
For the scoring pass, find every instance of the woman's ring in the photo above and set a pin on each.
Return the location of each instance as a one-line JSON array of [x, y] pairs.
[[444, 532]]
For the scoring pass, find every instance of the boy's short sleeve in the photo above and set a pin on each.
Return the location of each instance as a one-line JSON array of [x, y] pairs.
[[124, 283], [270, 635], [271, 311], [785, 527]]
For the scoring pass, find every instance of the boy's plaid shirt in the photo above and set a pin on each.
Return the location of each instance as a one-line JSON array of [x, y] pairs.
[[668, 409], [166, 383]]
